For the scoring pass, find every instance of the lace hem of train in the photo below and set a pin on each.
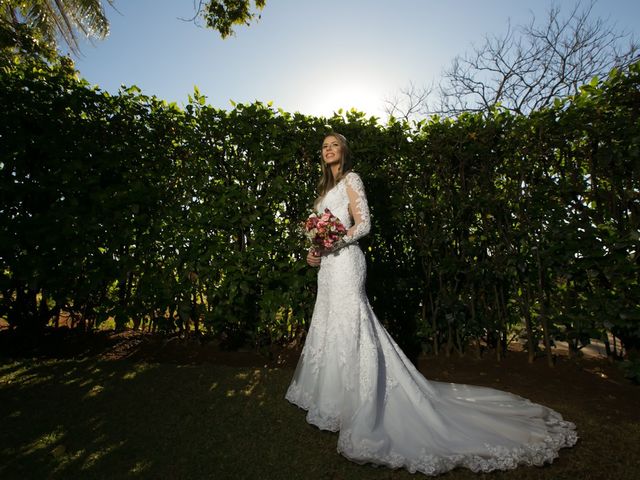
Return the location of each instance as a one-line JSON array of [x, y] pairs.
[[534, 454], [305, 401], [562, 434]]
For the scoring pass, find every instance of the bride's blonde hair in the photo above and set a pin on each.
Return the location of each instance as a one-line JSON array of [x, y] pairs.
[[327, 180]]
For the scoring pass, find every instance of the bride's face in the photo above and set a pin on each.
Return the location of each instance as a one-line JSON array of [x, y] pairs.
[[331, 150]]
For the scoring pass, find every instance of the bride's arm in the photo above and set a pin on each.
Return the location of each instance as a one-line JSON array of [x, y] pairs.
[[359, 209]]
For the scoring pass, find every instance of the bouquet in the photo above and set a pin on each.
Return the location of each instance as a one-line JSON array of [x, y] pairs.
[[324, 230]]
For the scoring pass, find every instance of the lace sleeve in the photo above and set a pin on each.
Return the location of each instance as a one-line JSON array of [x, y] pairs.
[[359, 209]]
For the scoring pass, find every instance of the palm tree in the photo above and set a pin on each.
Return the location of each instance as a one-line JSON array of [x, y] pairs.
[[50, 20]]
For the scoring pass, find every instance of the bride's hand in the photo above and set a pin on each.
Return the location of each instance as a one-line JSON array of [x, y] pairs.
[[313, 259]]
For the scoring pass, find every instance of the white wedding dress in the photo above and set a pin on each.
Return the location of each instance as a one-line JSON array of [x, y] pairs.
[[353, 378]]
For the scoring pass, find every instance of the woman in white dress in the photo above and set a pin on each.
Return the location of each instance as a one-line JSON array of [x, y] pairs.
[[353, 378]]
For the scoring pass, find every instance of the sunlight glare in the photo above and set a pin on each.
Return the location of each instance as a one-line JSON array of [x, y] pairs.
[[361, 96]]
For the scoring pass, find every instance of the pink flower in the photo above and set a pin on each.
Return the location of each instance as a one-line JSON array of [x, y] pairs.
[[324, 230]]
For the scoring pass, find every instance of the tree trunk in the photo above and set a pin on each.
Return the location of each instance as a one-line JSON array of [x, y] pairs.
[[528, 326], [500, 324], [434, 324], [544, 301]]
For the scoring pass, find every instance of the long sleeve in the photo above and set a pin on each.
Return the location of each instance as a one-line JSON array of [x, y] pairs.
[[359, 209]]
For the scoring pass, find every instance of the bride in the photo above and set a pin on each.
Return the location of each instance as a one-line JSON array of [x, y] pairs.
[[353, 378]]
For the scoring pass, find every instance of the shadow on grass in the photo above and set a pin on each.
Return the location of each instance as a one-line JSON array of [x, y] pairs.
[[90, 419]]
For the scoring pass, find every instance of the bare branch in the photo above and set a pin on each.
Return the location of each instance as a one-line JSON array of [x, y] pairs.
[[529, 66], [409, 103]]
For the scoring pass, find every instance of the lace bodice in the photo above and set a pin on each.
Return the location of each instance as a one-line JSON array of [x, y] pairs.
[[348, 201]]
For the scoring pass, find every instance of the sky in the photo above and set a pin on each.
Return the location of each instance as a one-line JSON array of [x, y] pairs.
[[307, 56]]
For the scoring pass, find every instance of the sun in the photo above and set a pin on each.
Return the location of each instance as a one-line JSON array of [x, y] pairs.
[[361, 95]]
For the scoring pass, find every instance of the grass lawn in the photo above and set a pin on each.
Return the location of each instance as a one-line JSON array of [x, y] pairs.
[[92, 418]]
